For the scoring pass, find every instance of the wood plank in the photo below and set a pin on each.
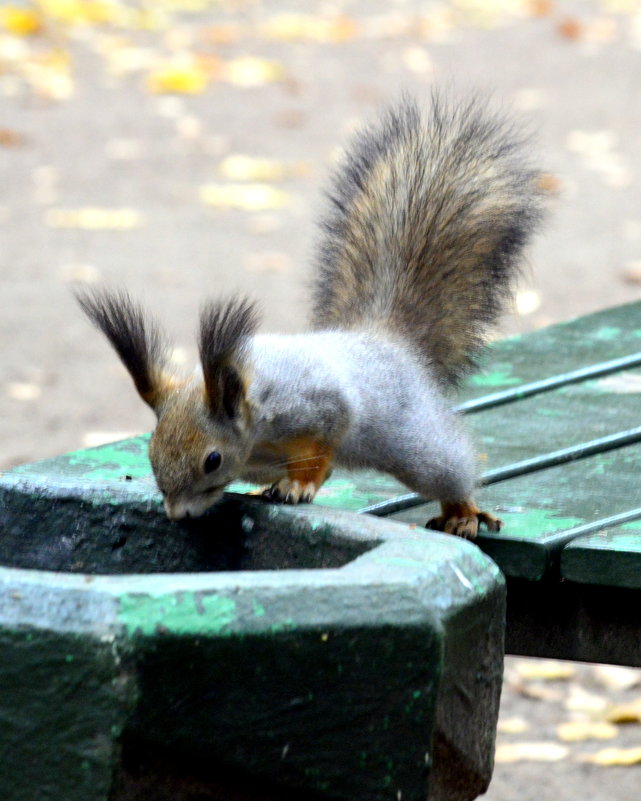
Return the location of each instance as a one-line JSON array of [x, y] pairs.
[[611, 557]]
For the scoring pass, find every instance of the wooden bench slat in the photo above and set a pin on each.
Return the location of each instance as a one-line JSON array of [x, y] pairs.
[[557, 349], [611, 557]]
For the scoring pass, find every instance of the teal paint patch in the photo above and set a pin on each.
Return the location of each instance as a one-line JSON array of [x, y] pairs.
[[183, 613], [113, 461], [532, 524], [607, 333], [550, 412], [499, 376], [602, 463], [344, 493]]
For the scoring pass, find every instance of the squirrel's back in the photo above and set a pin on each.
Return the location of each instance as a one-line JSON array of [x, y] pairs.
[[428, 216]]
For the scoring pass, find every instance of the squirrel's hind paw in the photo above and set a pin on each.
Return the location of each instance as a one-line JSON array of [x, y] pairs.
[[463, 520], [290, 491]]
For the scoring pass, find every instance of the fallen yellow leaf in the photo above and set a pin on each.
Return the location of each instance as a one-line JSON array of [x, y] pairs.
[[9, 138], [580, 700], [82, 11], [513, 725], [615, 677], [187, 78], [248, 168], [23, 391], [21, 21], [547, 669], [308, 28], [577, 730], [252, 71], [95, 219], [222, 33], [614, 756], [250, 197], [625, 713], [530, 752]]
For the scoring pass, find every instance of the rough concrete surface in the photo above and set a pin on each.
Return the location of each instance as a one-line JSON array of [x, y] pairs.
[[103, 171]]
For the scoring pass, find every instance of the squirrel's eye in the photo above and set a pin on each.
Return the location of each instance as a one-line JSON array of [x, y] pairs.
[[212, 462]]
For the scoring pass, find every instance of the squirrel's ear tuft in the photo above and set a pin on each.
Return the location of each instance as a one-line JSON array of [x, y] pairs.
[[136, 340], [225, 327]]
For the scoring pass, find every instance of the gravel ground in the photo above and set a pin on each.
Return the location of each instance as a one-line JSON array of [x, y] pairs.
[[121, 128]]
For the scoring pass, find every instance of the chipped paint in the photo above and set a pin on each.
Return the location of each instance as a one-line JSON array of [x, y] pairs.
[[178, 613], [607, 333], [499, 376]]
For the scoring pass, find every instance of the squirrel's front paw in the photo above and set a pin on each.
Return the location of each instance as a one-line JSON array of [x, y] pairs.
[[463, 520], [290, 491]]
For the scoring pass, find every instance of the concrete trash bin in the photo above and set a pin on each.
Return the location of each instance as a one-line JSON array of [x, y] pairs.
[[259, 652]]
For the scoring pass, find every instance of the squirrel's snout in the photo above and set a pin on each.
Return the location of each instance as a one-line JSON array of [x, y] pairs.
[[176, 510], [185, 508]]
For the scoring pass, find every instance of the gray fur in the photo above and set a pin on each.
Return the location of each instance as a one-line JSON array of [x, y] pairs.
[[368, 394]]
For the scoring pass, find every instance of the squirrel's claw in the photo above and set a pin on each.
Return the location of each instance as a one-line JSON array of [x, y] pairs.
[[290, 491], [463, 520]]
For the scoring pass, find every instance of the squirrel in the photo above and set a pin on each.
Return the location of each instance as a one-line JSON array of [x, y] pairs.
[[420, 244]]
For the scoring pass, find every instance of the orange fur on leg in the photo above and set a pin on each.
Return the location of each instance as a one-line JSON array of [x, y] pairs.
[[308, 464], [463, 518]]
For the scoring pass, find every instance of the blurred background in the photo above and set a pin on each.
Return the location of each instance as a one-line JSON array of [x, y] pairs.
[[179, 148]]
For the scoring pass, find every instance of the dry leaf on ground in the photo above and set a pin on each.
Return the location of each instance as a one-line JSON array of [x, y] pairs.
[[625, 713], [238, 167], [580, 700], [309, 28], [614, 756], [513, 725], [531, 752], [189, 79], [95, 219], [21, 21], [10, 138], [577, 730], [252, 71], [249, 197], [537, 691], [23, 391], [546, 669]]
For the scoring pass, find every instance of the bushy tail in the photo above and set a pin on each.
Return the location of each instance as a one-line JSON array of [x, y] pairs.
[[427, 220]]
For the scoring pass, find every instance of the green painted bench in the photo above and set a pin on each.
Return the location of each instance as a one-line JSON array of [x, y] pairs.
[[314, 648]]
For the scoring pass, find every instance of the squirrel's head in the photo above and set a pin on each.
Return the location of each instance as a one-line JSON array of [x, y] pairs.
[[195, 450], [202, 440]]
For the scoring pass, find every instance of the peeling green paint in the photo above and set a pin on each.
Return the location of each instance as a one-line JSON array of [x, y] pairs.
[[607, 333], [532, 524], [112, 461], [549, 412], [184, 613], [499, 376], [602, 463]]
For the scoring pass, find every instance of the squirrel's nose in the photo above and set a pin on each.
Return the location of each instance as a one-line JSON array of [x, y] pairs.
[[176, 510]]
